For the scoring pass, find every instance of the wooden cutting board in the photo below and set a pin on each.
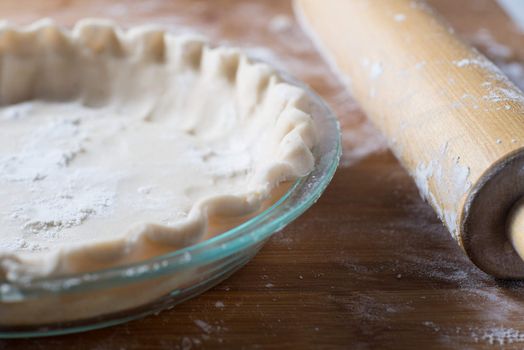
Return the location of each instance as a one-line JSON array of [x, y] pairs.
[[370, 265]]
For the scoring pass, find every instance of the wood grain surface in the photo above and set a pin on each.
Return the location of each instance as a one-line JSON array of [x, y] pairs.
[[369, 266]]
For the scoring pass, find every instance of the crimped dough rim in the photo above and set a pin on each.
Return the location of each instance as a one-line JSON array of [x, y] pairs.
[[294, 129]]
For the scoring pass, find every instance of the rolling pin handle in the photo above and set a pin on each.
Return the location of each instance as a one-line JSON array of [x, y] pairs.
[[516, 227]]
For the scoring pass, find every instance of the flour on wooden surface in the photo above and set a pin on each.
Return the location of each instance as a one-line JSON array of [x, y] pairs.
[[502, 55]]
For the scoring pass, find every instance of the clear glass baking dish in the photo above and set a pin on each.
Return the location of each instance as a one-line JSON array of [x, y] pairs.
[[109, 297]]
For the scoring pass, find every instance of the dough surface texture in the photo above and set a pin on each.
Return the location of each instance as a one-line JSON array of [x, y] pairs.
[[116, 146]]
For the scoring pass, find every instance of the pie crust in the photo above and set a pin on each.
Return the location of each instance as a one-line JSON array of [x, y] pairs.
[[117, 146]]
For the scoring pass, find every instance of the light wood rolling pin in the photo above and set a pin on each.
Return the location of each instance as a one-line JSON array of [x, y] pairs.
[[451, 117]]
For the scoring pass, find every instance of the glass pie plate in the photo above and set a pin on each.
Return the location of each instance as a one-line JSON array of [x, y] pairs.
[[129, 292]]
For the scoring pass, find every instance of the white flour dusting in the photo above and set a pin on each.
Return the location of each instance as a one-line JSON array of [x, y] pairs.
[[59, 197], [502, 55], [399, 17], [204, 326], [215, 330], [494, 94], [376, 70], [73, 175], [492, 48], [504, 95], [495, 336], [280, 23], [498, 335]]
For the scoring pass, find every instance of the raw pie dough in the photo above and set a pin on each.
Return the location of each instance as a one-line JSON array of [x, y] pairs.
[[117, 146]]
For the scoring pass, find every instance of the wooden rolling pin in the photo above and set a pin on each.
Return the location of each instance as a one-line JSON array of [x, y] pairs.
[[451, 117]]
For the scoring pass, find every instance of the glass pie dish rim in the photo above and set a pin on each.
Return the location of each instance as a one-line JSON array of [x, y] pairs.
[[255, 230]]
